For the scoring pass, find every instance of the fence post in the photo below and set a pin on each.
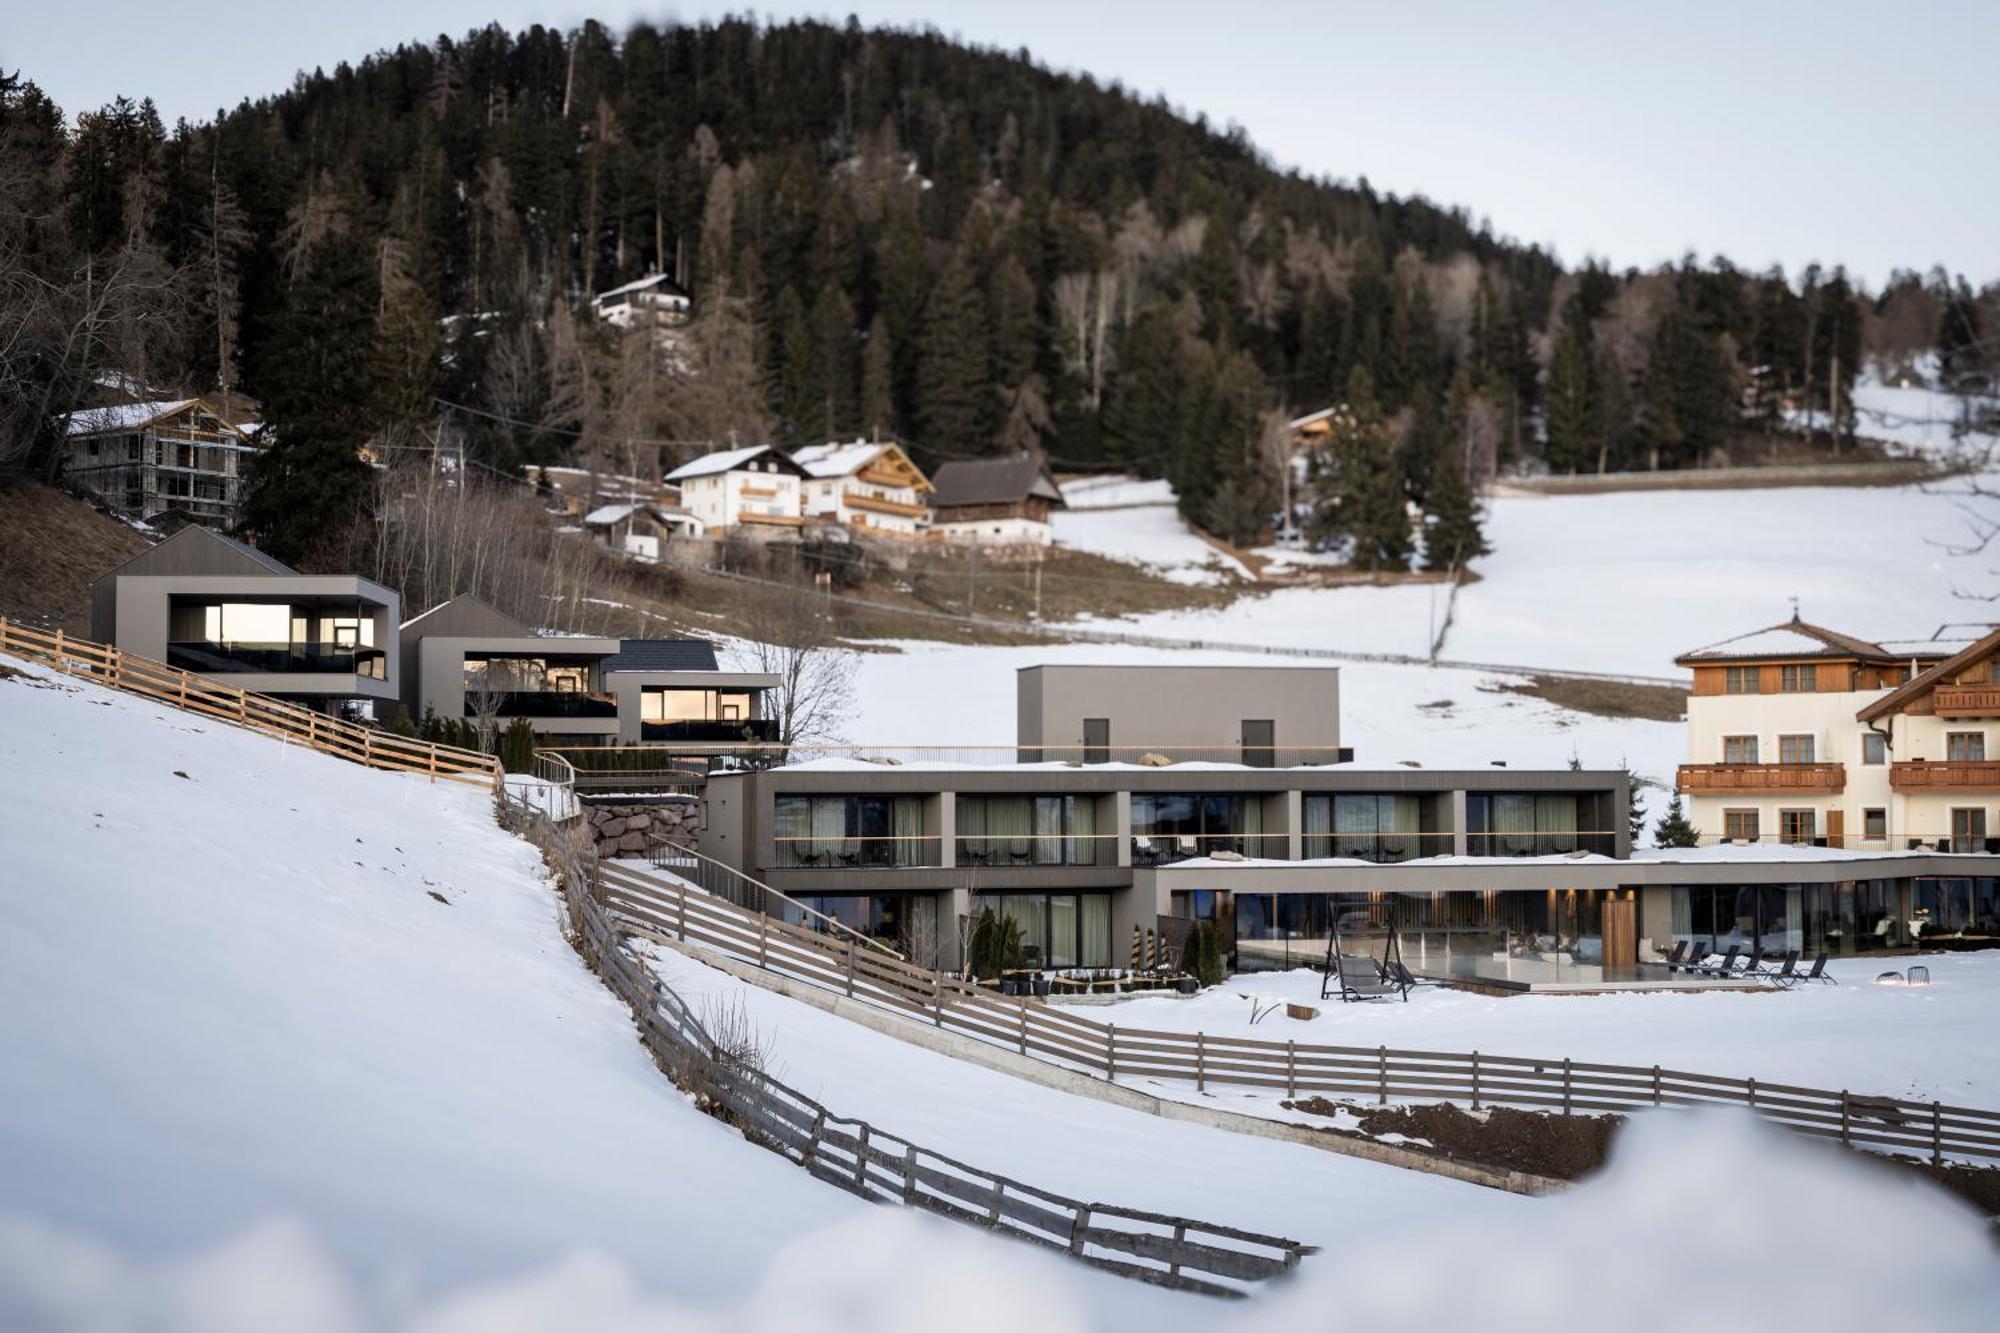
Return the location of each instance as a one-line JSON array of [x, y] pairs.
[[1750, 1090], [1200, 1062], [812, 1140], [1937, 1135], [243, 715], [1475, 1080], [681, 906], [1565, 1085], [62, 661], [909, 1173], [1656, 1085], [1077, 1226], [184, 689], [1180, 1240], [1845, 1140], [850, 969], [1021, 1011], [861, 1159], [937, 997], [1382, 1074], [763, 941], [1291, 1068], [1111, 1052], [993, 1209]]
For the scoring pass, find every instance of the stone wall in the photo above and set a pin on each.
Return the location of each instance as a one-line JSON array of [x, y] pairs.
[[625, 829]]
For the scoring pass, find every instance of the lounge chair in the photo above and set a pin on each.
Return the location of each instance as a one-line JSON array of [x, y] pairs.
[[1817, 973], [1672, 961], [1724, 968], [1788, 973], [1362, 979], [1755, 967]]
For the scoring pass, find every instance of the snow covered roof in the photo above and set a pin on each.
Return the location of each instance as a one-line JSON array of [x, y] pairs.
[[605, 515], [125, 416], [728, 460], [837, 460], [660, 281], [1794, 638], [1930, 677]]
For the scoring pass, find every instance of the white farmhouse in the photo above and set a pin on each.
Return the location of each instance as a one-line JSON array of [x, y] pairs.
[[871, 486], [755, 486]]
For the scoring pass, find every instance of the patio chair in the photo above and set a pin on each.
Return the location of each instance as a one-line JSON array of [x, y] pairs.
[[1362, 979], [1818, 972], [1673, 959], [1755, 967]]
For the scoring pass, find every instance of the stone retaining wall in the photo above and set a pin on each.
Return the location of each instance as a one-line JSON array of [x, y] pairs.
[[624, 829]]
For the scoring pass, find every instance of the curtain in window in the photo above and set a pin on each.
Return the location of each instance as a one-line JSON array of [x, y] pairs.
[[793, 825], [1250, 822], [1683, 922], [1555, 821], [1514, 821], [1356, 824], [830, 843], [1009, 822], [1062, 931], [1048, 845], [1095, 946], [1317, 812], [906, 816], [970, 827], [1081, 849], [1402, 816]]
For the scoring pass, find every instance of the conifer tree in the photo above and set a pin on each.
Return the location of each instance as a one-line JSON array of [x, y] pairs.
[[878, 407], [1674, 830], [1453, 534], [951, 364], [1572, 416]]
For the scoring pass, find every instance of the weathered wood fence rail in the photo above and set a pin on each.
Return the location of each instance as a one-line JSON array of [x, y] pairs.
[[856, 1156], [664, 909], [244, 708]]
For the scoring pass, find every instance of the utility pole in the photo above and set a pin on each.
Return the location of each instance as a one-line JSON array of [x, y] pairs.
[[1038, 591]]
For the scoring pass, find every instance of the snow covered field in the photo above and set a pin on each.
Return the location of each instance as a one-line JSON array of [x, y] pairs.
[[1928, 1043]]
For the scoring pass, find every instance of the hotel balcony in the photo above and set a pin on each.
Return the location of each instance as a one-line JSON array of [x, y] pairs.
[[1967, 700], [749, 730], [1752, 779], [238, 658], [1980, 775]]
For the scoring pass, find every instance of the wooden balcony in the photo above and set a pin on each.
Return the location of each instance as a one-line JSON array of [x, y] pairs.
[[1966, 700], [1982, 775], [876, 504], [1748, 779]]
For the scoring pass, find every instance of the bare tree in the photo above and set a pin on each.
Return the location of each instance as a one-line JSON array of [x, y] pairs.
[[788, 636]]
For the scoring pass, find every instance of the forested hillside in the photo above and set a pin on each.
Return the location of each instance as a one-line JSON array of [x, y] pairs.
[[884, 232]]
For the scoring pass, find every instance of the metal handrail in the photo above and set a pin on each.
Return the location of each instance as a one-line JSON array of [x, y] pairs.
[[660, 853]]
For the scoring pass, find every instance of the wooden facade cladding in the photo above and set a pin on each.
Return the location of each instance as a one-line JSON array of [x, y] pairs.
[[773, 520], [1966, 700], [1748, 779], [1034, 507], [1833, 676], [1946, 775]]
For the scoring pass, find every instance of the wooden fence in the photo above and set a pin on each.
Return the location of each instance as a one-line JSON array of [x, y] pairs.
[[294, 722], [662, 909], [856, 1156]]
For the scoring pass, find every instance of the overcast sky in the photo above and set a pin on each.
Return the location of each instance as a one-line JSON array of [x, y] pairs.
[[1844, 132]]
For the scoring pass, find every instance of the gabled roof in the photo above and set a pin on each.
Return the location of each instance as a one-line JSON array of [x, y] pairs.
[[1794, 638], [1926, 680], [834, 459], [732, 460], [663, 655], [125, 416], [203, 551], [978, 481], [467, 617]]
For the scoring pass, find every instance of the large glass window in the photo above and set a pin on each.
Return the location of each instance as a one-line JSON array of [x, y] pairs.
[[1968, 830], [1057, 929], [1770, 916], [906, 922], [1030, 830], [1173, 827], [847, 832], [272, 636], [1365, 827], [1524, 825]]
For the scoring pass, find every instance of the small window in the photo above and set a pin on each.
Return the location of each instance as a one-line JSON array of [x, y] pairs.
[[1797, 825], [1795, 749], [1875, 824], [1739, 749], [1965, 747], [1993, 671], [1259, 742], [1739, 825], [1874, 748], [1739, 680], [1798, 679], [1097, 740]]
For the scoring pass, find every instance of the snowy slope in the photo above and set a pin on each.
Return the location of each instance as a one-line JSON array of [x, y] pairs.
[[236, 1024]]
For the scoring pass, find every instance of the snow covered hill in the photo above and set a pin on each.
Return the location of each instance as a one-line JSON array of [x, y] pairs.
[[286, 1043]]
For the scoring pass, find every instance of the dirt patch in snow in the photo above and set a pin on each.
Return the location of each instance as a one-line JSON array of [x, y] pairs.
[[1605, 698]]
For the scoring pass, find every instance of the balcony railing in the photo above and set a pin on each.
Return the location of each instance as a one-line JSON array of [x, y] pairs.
[[1025, 850], [1734, 779], [548, 703], [761, 730], [1540, 844], [1982, 775], [215, 658], [1966, 700], [1158, 849], [1382, 848], [855, 853]]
